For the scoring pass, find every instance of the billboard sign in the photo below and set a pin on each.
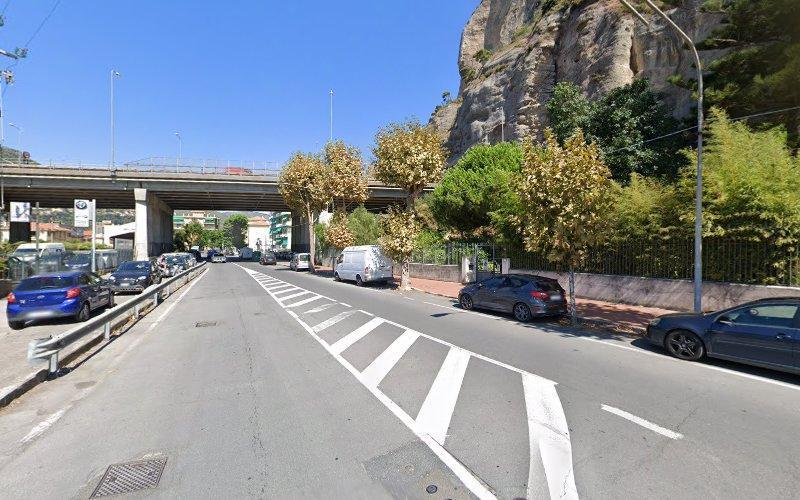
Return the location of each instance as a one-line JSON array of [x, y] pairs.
[[20, 211], [83, 213]]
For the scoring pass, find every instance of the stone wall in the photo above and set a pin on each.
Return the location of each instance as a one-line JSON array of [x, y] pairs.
[[677, 295], [433, 272]]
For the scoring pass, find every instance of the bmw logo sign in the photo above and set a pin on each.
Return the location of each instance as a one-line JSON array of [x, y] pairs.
[[81, 205]]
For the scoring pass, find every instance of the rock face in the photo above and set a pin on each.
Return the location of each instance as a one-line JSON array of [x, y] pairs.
[[513, 52]]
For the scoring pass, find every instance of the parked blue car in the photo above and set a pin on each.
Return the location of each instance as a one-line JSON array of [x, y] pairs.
[[56, 295]]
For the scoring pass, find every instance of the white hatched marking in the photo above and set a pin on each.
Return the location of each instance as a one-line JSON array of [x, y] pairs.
[[292, 289], [644, 423], [548, 436], [321, 308], [383, 364], [304, 301], [44, 425], [272, 288], [437, 410], [332, 321], [351, 338], [281, 299]]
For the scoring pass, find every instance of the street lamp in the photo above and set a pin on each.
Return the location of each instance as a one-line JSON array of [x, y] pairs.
[[19, 140], [698, 198], [114, 74], [180, 149], [331, 116]]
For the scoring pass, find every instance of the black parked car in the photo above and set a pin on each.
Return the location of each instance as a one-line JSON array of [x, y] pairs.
[[762, 333], [134, 276], [523, 295], [268, 258]]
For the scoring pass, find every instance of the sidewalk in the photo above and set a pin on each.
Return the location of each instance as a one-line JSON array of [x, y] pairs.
[[623, 317]]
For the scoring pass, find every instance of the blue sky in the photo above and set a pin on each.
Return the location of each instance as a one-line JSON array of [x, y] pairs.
[[242, 80]]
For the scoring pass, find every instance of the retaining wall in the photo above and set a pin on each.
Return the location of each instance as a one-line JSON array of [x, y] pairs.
[[433, 272]]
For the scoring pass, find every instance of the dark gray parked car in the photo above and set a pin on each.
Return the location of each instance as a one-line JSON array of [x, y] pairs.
[[763, 333], [523, 295]]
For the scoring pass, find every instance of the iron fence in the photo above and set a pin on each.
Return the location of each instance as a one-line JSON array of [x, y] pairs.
[[725, 260]]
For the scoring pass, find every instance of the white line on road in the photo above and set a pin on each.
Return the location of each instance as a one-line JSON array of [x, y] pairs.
[[380, 366], [351, 338], [332, 321], [321, 308], [346, 305], [292, 289], [271, 288], [437, 410], [175, 303], [281, 299], [548, 436], [640, 421], [304, 301], [44, 425]]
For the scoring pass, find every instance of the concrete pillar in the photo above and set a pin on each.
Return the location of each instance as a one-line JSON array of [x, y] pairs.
[[299, 234], [505, 265], [153, 234], [466, 274]]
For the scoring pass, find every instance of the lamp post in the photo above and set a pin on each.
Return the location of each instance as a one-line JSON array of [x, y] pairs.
[[331, 116], [19, 140], [114, 74], [698, 198], [180, 150]]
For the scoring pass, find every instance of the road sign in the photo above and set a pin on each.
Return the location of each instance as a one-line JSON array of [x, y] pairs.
[[20, 211], [83, 213]]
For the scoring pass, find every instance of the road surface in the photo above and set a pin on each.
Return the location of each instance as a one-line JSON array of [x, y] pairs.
[[260, 382]]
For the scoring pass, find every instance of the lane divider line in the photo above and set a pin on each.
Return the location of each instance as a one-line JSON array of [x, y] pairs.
[[644, 423], [351, 338], [383, 364], [332, 321], [440, 403]]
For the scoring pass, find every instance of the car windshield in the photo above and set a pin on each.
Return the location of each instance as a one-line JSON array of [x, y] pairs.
[[134, 266], [302, 258], [174, 260], [20, 251], [45, 283]]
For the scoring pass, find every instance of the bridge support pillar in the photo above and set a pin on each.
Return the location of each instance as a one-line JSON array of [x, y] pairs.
[[299, 233], [153, 233]]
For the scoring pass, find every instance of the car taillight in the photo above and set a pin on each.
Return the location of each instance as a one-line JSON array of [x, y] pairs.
[[73, 292], [366, 270], [540, 295], [12, 299]]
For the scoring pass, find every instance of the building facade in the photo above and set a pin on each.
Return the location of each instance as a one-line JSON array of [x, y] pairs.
[[281, 230], [208, 221], [258, 233]]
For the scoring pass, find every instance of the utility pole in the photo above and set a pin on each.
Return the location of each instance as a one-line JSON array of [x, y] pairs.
[[114, 74], [19, 140], [36, 223], [94, 236], [180, 150], [698, 197], [331, 116]]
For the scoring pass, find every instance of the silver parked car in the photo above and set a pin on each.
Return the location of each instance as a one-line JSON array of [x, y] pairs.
[[300, 261]]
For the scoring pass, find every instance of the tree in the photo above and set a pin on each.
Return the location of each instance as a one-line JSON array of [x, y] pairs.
[[475, 194], [338, 233], [346, 185], [620, 122], [364, 225], [411, 157], [179, 239], [566, 193], [217, 238], [400, 230], [194, 233], [235, 227], [303, 186], [760, 70]]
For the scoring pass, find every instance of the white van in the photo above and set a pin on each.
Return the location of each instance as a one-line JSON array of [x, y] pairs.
[[363, 264], [27, 251]]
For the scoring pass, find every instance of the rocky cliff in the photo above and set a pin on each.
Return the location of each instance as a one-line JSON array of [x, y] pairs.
[[513, 52]]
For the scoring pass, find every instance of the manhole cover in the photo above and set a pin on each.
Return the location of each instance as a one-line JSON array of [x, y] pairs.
[[204, 324], [130, 476]]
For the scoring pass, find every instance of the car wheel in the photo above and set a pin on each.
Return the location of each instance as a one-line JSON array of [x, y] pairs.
[[336, 277], [466, 302], [522, 312], [84, 313], [684, 344], [16, 325], [359, 281]]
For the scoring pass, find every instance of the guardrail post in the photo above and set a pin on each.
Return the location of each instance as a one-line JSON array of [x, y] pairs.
[[107, 330], [136, 311], [52, 366], [155, 299]]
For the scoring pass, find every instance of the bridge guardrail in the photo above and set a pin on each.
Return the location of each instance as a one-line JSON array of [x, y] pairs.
[[165, 165], [49, 347]]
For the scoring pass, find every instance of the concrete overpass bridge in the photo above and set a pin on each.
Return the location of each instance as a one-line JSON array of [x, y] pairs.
[[156, 190]]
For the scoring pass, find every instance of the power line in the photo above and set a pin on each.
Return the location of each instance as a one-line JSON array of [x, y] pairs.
[[5, 7], [44, 21]]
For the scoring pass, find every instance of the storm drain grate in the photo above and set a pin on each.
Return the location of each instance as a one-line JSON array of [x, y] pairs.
[[130, 476], [205, 324]]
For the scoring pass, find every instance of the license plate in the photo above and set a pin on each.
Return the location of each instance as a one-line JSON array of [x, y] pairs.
[[126, 284], [555, 296]]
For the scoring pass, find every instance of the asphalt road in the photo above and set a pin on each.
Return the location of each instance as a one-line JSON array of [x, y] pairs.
[[261, 382]]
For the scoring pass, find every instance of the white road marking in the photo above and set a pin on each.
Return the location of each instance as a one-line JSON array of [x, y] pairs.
[[304, 301], [548, 436], [644, 423], [332, 321], [292, 289], [465, 475], [175, 303], [321, 308], [351, 338], [437, 410], [407, 298], [346, 305], [668, 358], [44, 425], [366, 312], [382, 365], [275, 287], [281, 299]]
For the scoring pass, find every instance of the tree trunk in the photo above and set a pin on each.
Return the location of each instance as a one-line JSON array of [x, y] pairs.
[[405, 273], [311, 240], [573, 310]]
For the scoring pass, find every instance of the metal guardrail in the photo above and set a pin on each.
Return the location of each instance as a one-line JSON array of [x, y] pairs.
[[159, 165], [49, 348]]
